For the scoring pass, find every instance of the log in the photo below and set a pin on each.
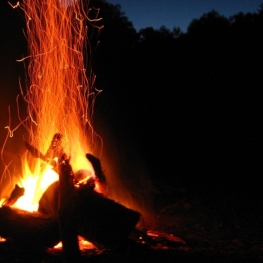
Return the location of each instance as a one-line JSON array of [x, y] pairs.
[[66, 211], [67, 214], [103, 221], [27, 229], [100, 220]]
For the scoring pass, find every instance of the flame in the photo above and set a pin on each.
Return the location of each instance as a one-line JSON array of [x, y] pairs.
[[35, 186], [60, 94], [83, 244]]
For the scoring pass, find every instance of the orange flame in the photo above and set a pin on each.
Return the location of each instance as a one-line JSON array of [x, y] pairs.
[[60, 96]]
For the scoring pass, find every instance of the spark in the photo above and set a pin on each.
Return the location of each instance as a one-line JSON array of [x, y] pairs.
[[14, 6]]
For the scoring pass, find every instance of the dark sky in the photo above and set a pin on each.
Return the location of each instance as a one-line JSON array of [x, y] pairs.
[[178, 13]]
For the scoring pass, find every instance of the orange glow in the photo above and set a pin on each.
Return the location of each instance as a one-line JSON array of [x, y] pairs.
[[2, 239], [60, 94], [83, 244]]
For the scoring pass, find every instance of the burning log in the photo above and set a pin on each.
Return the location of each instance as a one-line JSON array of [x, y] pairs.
[[66, 211], [101, 221], [97, 168], [28, 229], [67, 216]]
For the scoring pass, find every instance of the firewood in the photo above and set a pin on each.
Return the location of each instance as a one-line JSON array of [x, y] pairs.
[[103, 221], [48, 203], [66, 211], [28, 229], [97, 167], [67, 216], [100, 220]]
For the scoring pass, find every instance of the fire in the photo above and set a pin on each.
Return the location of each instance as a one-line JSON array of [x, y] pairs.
[[60, 94], [35, 186], [83, 244]]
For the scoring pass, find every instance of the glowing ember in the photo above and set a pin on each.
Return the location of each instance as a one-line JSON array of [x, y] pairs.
[[60, 96], [2, 239], [83, 244]]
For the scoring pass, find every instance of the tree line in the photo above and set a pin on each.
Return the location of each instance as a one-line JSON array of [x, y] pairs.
[[192, 99]]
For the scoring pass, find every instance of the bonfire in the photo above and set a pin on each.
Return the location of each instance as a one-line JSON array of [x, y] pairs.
[[60, 195]]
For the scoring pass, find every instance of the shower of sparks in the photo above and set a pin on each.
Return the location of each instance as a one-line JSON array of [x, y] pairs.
[[60, 94]]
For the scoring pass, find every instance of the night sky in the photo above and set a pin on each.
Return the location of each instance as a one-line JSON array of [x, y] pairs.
[[175, 13]]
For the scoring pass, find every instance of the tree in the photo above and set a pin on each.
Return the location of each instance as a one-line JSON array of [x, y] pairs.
[[209, 23]]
